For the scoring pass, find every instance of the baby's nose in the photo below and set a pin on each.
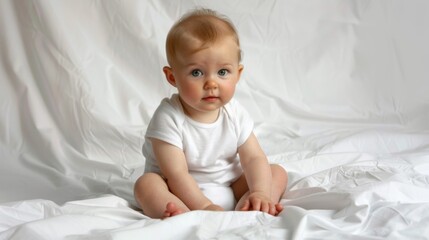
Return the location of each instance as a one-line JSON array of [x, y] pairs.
[[210, 84]]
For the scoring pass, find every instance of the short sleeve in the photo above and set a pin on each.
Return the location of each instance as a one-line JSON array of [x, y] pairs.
[[242, 120], [166, 124]]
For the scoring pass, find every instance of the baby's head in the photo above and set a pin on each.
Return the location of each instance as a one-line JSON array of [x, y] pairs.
[[197, 30]]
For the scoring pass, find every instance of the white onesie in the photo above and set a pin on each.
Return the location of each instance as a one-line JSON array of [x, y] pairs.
[[210, 149]]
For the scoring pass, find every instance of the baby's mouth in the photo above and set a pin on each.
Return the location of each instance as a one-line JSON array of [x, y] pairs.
[[210, 98]]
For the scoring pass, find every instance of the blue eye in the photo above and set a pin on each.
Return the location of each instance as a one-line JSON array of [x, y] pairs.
[[196, 73], [222, 72]]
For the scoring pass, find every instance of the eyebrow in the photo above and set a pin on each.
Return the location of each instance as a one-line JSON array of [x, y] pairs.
[[196, 65]]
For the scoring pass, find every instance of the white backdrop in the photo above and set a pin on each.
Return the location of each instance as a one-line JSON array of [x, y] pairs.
[[79, 81]]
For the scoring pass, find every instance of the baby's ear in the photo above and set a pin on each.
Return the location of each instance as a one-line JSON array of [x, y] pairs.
[[240, 70], [169, 75]]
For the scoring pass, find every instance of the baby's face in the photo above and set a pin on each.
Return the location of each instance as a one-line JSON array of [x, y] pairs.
[[206, 78]]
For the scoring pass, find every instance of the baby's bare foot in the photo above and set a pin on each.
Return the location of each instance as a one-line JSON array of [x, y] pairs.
[[171, 210]]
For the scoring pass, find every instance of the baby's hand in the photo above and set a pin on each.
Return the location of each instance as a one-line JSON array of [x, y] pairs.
[[259, 201], [213, 207]]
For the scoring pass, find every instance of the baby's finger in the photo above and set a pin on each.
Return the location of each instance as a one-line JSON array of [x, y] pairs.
[[273, 210], [256, 205], [265, 207], [279, 207], [246, 206]]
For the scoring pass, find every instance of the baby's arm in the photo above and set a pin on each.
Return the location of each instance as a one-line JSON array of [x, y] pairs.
[[174, 168], [258, 176]]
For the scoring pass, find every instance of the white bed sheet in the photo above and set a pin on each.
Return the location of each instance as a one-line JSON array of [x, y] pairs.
[[338, 91]]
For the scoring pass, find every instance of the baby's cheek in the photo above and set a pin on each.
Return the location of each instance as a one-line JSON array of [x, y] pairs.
[[192, 92], [228, 90]]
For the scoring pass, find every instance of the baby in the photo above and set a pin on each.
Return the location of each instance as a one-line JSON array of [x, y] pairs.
[[200, 149]]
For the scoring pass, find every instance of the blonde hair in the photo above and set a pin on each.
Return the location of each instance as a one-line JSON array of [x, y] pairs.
[[201, 25]]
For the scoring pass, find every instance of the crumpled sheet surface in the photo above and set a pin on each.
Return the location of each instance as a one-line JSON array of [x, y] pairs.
[[337, 90], [357, 196]]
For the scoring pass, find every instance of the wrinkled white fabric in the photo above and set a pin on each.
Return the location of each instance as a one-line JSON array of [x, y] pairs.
[[337, 90]]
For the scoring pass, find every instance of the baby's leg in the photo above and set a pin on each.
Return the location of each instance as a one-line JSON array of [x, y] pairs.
[[278, 186], [279, 182], [155, 199]]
